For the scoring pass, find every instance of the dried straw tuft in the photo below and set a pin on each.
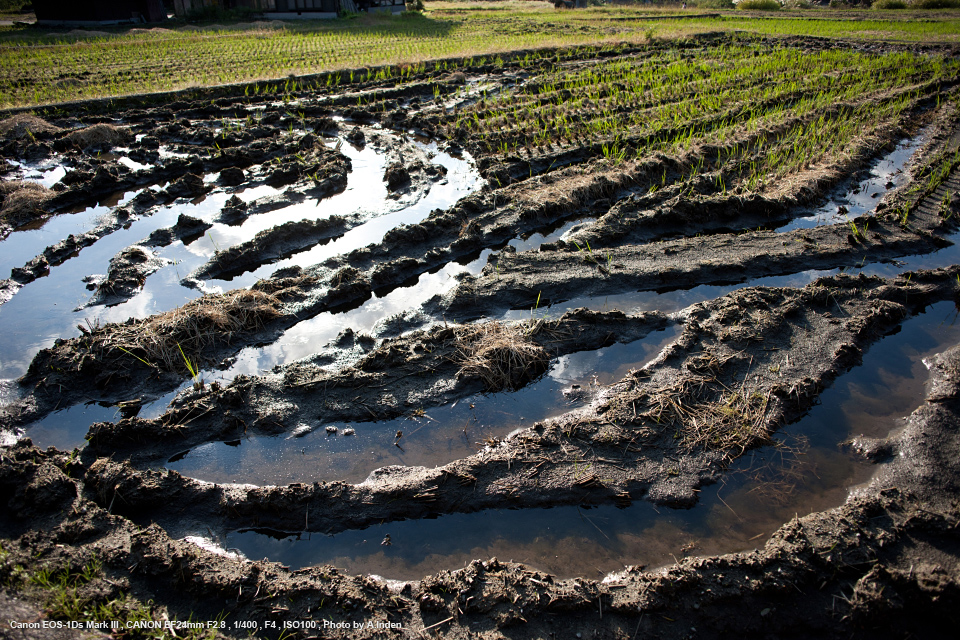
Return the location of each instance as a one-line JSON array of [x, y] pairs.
[[20, 202], [166, 339], [501, 355], [99, 135], [23, 124], [731, 421]]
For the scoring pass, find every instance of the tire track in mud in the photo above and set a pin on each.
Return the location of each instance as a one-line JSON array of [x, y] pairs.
[[329, 288], [518, 279], [823, 247], [743, 365], [88, 182], [864, 561]]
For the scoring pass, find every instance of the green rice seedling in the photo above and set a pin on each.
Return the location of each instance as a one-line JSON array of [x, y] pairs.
[[859, 234], [191, 367], [136, 356]]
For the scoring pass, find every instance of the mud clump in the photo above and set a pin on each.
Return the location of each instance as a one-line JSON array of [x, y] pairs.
[[127, 274], [400, 177], [190, 227], [502, 356], [189, 186], [231, 177], [396, 176], [234, 211], [357, 137]]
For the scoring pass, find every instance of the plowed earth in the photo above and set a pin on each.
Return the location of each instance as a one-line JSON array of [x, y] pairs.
[[666, 207]]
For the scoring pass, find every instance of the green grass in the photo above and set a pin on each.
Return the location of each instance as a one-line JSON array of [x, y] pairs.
[[747, 115], [38, 68], [59, 591], [759, 5]]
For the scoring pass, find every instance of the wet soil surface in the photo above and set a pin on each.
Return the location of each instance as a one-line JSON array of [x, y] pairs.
[[417, 301]]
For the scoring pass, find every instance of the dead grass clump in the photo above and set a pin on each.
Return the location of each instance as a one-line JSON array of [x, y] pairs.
[[168, 339], [501, 355], [68, 83], [100, 135], [141, 31], [732, 422], [23, 125], [21, 201]]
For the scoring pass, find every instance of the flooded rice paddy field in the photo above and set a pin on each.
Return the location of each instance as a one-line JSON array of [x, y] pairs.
[[586, 311]]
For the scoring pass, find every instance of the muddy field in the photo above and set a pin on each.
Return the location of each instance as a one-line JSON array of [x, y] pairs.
[[396, 319]]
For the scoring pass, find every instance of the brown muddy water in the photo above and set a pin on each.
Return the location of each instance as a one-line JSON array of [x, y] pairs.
[[808, 471]]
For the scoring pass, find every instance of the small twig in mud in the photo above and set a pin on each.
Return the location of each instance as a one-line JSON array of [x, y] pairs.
[[437, 624], [583, 517], [638, 627]]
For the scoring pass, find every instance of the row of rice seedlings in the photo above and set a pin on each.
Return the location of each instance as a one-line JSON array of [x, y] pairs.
[[505, 127]]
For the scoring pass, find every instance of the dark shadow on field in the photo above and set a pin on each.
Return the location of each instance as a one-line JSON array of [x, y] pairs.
[[406, 24], [402, 24]]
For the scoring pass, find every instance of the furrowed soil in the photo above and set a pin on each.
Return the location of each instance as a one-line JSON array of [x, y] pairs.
[[319, 233]]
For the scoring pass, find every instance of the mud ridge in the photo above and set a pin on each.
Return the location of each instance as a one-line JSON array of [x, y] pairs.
[[127, 274], [552, 273], [422, 369], [854, 569], [738, 371]]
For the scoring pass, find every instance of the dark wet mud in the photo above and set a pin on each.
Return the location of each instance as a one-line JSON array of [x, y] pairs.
[[320, 325]]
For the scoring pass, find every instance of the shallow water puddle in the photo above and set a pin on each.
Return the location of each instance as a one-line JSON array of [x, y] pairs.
[[439, 436], [885, 174], [25, 244], [305, 338], [766, 488], [46, 173], [67, 429], [44, 309], [366, 193], [667, 301], [533, 241]]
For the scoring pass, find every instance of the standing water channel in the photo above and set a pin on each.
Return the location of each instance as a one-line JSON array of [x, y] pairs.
[[808, 470]]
